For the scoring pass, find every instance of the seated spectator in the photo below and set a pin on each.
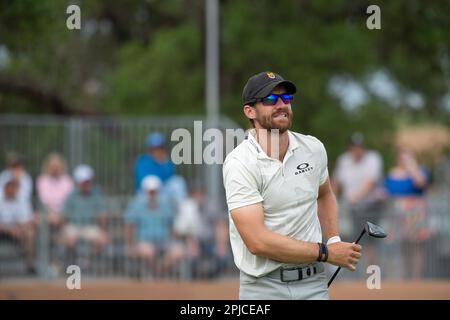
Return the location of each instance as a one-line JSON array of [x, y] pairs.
[[16, 170], [53, 186], [205, 234], [149, 219], [157, 162], [17, 221], [406, 184], [85, 212]]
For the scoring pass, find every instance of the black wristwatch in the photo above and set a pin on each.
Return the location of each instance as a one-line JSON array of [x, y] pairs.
[[323, 252]]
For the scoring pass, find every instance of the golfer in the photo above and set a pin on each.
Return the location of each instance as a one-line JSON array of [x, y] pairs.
[[283, 213]]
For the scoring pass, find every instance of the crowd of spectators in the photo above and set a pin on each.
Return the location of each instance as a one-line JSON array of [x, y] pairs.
[[167, 224], [164, 224]]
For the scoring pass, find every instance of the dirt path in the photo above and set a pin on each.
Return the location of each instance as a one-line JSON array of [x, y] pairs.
[[227, 290]]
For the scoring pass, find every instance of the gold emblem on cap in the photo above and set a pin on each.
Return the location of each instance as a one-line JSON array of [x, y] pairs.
[[271, 75]]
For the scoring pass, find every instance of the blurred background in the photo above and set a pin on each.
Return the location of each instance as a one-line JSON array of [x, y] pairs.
[[86, 118]]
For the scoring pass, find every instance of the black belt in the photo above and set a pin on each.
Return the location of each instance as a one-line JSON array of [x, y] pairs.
[[288, 274]]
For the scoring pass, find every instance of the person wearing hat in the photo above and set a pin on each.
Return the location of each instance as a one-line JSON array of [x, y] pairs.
[[157, 162], [283, 213], [149, 220], [357, 177], [84, 213]]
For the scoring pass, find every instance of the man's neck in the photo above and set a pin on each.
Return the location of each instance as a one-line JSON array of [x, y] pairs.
[[274, 145]]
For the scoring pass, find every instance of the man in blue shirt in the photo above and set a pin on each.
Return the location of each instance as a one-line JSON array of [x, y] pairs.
[[157, 162], [149, 220], [85, 213]]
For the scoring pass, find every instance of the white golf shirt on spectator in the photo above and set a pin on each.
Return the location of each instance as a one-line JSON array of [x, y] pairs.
[[288, 192], [351, 174], [15, 211]]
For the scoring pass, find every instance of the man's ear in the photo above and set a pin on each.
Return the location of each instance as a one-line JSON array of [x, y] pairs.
[[249, 111]]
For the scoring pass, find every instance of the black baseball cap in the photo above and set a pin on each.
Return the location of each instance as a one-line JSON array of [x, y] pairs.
[[260, 85]]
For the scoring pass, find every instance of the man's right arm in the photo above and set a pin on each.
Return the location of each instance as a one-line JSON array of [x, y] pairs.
[[249, 221]]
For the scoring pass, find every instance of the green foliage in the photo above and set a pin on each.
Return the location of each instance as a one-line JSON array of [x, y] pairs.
[[147, 58], [156, 79]]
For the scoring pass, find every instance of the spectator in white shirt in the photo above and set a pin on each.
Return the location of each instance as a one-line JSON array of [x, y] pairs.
[[16, 221], [357, 178]]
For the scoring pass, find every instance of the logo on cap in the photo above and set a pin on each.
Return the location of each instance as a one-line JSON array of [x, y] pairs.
[[271, 75]]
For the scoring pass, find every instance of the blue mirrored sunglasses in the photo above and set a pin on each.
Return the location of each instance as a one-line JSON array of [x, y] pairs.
[[272, 99]]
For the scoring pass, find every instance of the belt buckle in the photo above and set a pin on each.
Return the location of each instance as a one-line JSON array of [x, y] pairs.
[[299, 274], [311, 270]]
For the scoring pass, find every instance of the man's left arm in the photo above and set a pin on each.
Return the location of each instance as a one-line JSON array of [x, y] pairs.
[[328, 211]]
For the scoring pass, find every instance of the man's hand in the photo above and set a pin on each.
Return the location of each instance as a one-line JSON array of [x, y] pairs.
[[344, 254]]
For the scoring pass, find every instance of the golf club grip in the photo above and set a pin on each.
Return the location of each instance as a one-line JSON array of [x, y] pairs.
[[339, 269]]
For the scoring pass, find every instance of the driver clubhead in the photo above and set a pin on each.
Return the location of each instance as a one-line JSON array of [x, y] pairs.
[[375, 231]]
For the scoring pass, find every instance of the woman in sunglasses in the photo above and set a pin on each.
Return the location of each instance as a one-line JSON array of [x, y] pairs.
[[283, 213]]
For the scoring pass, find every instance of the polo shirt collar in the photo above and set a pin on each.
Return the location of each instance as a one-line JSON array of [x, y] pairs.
[[293, 144]]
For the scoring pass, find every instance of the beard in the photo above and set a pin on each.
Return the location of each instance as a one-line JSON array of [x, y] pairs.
[[275, 121]]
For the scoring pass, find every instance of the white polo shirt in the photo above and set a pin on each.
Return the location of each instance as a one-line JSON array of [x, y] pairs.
[[288, 192], [15, 211]]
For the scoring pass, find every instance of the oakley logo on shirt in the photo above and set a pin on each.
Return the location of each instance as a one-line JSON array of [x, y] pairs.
[[303, 167]]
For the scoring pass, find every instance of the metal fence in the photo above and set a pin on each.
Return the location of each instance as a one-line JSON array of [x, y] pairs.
[[399, 258], [110, 146]]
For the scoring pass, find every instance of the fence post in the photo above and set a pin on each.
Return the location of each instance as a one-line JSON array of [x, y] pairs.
[[74, 138], [43, 245]]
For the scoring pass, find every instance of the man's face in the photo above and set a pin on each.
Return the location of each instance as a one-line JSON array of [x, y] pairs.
[[85, 186], [357, 152], [278, 116], [16, 170], [159, 153]]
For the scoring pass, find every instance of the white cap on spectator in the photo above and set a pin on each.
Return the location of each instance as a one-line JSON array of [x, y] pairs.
[[83, 173], [151, 183]]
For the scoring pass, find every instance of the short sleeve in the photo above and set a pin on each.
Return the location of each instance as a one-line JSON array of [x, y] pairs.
[[241, 185], [323, 172], [374, 169]]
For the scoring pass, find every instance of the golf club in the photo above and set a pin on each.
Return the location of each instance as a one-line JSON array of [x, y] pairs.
[[374, 231]]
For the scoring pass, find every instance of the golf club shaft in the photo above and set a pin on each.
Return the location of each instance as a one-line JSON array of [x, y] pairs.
[[339, 269]]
